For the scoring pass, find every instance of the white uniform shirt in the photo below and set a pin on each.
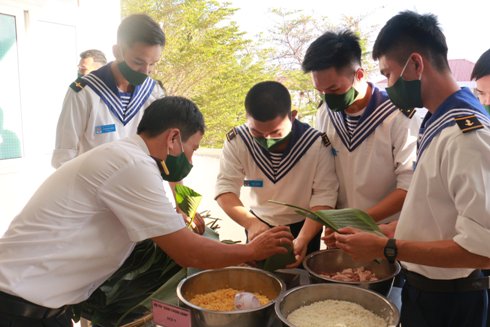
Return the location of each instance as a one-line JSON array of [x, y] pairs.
[[380, 162], [83, 222], [86, 120], [309, 182], [449, 198]]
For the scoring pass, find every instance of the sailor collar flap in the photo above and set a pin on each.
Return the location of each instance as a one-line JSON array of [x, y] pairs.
[[461, 108], [276, 165], [104, 85], [377, 110]]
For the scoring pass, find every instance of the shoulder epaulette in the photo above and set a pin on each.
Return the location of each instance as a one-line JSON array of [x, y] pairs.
[[319, 104], [78, 85], [408, 112], [231, 134], [325, 139], [468, 123]]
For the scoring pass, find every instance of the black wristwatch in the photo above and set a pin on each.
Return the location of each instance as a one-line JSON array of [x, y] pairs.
[[390, 250]]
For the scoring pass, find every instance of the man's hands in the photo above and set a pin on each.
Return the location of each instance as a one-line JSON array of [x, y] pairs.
[[300, 247], [270, 242], [360, 245], [197, 224], [255, 228]]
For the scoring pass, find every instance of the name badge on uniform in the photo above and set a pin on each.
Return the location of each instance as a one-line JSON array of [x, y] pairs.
[[253, 183], [102, 129]]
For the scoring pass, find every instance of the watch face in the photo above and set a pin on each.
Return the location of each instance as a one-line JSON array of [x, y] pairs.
[[390, 250]]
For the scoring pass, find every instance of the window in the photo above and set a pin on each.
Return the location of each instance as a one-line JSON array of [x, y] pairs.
[[10, 111]]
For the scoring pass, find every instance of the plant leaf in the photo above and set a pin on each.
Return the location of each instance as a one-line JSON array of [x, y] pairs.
[[339, 218], [279, 261], [187, 200]]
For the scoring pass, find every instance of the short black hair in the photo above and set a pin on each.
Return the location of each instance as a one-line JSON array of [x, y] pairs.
[[410, 32], [97, 55], [172, 112], [267, 100], [482, 66], [338, 50], [140, 28]]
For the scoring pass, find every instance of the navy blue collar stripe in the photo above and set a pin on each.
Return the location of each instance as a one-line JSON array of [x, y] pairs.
[[378, 108], [107, 95], [381, 110], [142, 95], [103, 90], [365, 126], [295, 158], [276, 165], [256, 153], [114, 103], [446, 120], [360, 135], [301, 146]]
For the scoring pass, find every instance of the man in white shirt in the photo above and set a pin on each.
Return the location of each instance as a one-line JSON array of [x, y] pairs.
[[279, 158], [85, 219], [108, 104], [90, 60], [441, 237]]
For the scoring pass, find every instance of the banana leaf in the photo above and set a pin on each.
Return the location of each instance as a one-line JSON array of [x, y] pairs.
[[187, 200], [145, 271], [279, 261], [338, 218]]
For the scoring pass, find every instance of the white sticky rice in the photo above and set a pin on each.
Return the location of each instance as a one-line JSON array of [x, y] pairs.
[[333, 313]]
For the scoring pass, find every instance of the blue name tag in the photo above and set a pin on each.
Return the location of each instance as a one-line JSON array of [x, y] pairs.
[[253, 183], [102, 129]]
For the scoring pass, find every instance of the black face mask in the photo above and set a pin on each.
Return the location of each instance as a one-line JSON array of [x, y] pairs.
[[405, 94], [132, 76]]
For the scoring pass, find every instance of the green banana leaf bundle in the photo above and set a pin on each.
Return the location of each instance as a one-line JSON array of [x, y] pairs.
[[278, 261], [120, 298], [338, 218]]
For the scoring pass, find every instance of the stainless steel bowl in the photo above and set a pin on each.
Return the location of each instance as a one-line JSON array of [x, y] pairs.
[[240, 278], [334, 260], [308, 294]]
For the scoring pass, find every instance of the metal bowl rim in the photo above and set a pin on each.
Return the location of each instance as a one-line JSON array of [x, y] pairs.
[[310, 271], [272, 302], [277, 305]]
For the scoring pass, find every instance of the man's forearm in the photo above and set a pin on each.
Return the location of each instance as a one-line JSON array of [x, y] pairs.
[[234, 208], [445, 253], [389, 205], [310, 227]]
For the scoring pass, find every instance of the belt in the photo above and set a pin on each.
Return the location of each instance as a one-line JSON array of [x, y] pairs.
[[16, 306], [474, 282]]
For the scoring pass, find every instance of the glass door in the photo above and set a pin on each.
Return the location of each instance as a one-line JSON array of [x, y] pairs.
[[10, 108]]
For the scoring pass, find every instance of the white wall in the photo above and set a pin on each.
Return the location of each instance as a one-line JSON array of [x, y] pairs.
[[50, 36]]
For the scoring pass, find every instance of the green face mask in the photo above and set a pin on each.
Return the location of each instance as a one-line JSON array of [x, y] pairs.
[[340, 102], [176, 168], [487, 107], [270, 144], [405, 94], [132, 76]]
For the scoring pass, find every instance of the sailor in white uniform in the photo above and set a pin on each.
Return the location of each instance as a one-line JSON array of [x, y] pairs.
[[373, 142], [108, 104], [441, 237], [279, 158]]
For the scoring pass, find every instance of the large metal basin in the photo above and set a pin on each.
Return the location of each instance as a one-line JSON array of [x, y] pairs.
[[308, 294], [240, 278], [334, 260]]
